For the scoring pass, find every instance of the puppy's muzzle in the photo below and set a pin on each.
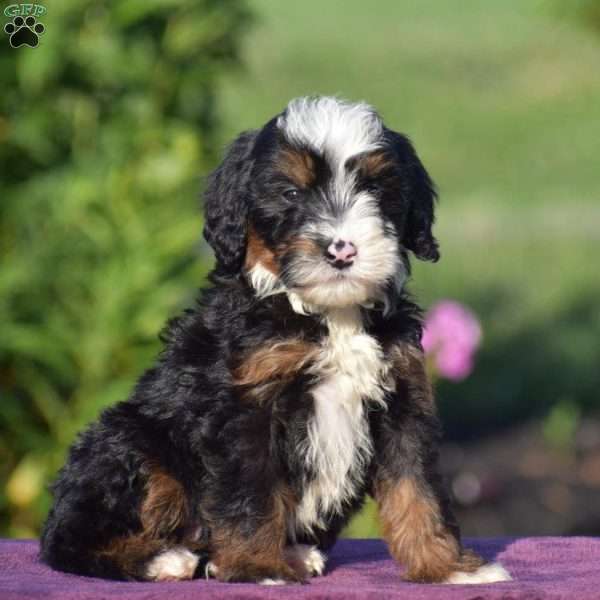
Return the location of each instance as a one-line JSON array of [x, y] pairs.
[[340, 254]]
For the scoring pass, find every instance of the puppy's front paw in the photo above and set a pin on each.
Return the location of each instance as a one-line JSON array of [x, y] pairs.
[[278, 573], [489, 573], [270, 581], [304, 559], [210, 570], [172, 565]]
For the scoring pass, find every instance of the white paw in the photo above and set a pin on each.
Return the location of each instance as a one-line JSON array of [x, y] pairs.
[[270, 581], [177, 563], [490, 573], [210, 570], [308, 556]]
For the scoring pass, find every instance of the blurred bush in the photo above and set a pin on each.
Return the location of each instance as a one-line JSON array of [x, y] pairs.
[[104, 129]]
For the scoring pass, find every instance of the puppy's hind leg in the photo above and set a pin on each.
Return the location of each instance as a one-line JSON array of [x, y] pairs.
[[159, 550]]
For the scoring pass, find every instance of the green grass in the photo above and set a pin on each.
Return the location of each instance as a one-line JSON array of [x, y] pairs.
[[504, 91], [502, 100]]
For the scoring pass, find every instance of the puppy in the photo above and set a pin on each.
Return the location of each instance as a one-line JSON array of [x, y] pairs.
[[295, 386]]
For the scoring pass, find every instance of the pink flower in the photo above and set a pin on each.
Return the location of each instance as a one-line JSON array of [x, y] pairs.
[[450, 337]]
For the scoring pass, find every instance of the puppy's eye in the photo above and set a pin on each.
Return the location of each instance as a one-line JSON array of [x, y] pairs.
[[373, 188], [291, 194]]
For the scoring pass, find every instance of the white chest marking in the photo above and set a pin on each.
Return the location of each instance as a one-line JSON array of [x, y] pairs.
[[338, 447]]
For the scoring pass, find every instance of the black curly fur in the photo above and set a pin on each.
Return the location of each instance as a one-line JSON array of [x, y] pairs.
[[226, 204], [422, 193]]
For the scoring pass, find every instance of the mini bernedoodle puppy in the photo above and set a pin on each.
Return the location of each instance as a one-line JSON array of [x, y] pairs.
[[295, 387]]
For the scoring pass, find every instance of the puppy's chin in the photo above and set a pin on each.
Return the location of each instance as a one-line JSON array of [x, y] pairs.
[[320, 290], [338, 294]]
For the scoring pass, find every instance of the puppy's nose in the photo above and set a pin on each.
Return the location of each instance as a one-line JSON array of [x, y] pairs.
[[340, 253]]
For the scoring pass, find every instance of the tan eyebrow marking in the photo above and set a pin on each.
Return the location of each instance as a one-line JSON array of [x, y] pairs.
[[371, 164], [298, 165]]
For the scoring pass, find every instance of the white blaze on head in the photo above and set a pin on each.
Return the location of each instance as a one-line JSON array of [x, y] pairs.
[[332, 126]]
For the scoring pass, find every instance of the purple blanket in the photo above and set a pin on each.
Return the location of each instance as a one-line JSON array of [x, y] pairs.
[[357, 569]]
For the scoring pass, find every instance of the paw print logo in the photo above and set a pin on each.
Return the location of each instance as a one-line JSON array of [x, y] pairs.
[[24, 31]]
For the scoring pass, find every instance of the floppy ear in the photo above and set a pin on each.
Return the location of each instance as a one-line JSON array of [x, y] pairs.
[[422, 196], [226, 204]]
